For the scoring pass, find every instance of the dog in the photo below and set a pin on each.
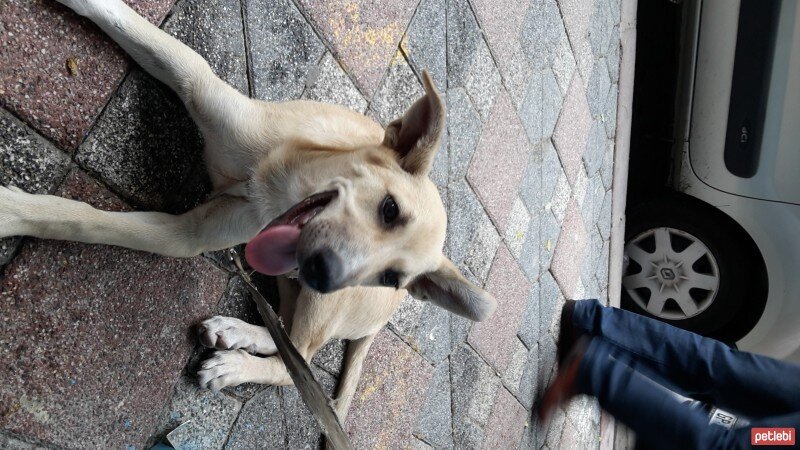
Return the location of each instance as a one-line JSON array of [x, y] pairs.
[[313, 189]]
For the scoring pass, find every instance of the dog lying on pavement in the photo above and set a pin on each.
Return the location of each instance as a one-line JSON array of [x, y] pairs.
[[315, 190]]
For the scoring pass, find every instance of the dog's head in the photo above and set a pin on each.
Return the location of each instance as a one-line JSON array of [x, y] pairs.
[[373, 218]]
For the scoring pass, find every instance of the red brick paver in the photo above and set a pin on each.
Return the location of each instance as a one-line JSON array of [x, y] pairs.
[[38, 40], [494, 339], [506, 422], [93, 337], [569, 254], [500, 161], [390, 394], [364, 34], [572, 129]]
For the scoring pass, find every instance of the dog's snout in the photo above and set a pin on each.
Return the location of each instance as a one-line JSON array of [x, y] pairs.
[[322, 271]]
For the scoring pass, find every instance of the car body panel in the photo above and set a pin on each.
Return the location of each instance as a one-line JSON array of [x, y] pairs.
[[779, 159], [765, 204]]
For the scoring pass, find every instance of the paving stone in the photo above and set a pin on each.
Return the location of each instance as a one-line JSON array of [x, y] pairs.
[[518, 223], [529, 328], [596, 145], [434, 423], [302, 430], [612, 59], [405, 318], [530, 252], [470, 63], [499, 162], [464, 130], [568, 256], [147, 148], [237, 302], [549, 231], [544, 40], [530, 109], [552, 435], [494, 338], [607, 170], [474, 386], [570, 436], [579, 188], [398, 91], [601, 274], [552, 101], [547, 362], [83, 324], [12, 443], [550, 297], [466, 217], [593, 202], [552, 174], [328, 83], [512, 376], [572, 129], [502, 31], [331, 356], [482, 249], [526, 394], [610, 114], [530, 189], [528, 441], [599, 85], [604, 219], [576, 14], [390, 394], [433, 334], [28, 162], [198, 417], [362, 34], [214, 30], [600, 27], [261, 423], [39, 38], [426, 40], [417, 444], [562, 195], [506, 422], [284, 49]]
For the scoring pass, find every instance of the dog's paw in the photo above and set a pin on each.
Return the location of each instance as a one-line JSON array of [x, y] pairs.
[[229, 333], [227, 368]]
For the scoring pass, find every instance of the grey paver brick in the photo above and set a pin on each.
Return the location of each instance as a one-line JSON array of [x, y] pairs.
[[284, 49], [261, 423], [529, 328], [426, 40], [328, 83], [398, 91], [199, 418], [434, 423], [464, 130], [28, 162]]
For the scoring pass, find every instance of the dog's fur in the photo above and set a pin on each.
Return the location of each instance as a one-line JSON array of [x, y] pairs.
[[263, 158]]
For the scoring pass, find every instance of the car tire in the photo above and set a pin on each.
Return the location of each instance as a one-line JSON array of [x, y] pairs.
[[699, 275]]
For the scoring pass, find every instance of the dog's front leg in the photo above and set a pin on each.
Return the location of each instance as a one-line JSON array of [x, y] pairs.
[[221, 223]]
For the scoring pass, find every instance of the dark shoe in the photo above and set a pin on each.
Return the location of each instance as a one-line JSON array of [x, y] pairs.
[[567, 335], [564, 386]]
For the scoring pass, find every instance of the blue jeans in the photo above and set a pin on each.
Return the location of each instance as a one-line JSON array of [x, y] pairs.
[[632, 363]]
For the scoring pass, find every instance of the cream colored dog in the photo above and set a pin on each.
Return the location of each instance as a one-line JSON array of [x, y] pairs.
[[310, 187]]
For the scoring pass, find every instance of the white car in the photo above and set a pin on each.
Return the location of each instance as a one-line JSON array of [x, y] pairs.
[[719, 252]]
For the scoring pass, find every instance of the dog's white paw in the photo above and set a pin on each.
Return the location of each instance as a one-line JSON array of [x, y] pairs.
[[228, 368], [229, 333]]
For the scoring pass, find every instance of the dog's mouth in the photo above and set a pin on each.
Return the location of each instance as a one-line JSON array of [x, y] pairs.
[[272, 251]]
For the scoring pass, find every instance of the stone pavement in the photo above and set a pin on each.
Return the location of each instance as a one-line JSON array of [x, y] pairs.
[[96, 341]]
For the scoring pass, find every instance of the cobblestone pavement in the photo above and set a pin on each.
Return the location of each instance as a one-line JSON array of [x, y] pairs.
[[96, 341]]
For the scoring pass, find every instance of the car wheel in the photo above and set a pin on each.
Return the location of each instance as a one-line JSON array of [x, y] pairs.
[[685, 265]]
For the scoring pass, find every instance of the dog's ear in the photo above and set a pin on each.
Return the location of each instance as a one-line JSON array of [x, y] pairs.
[[415, 136], [446, 287]]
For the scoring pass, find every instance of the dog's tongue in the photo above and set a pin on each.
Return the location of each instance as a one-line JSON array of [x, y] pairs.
[[272, 252]]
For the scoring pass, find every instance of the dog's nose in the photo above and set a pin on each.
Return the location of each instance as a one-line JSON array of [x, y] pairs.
[[322, 271]]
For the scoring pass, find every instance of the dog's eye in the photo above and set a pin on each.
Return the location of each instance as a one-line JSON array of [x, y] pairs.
[[389, 210], [389, 278]]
